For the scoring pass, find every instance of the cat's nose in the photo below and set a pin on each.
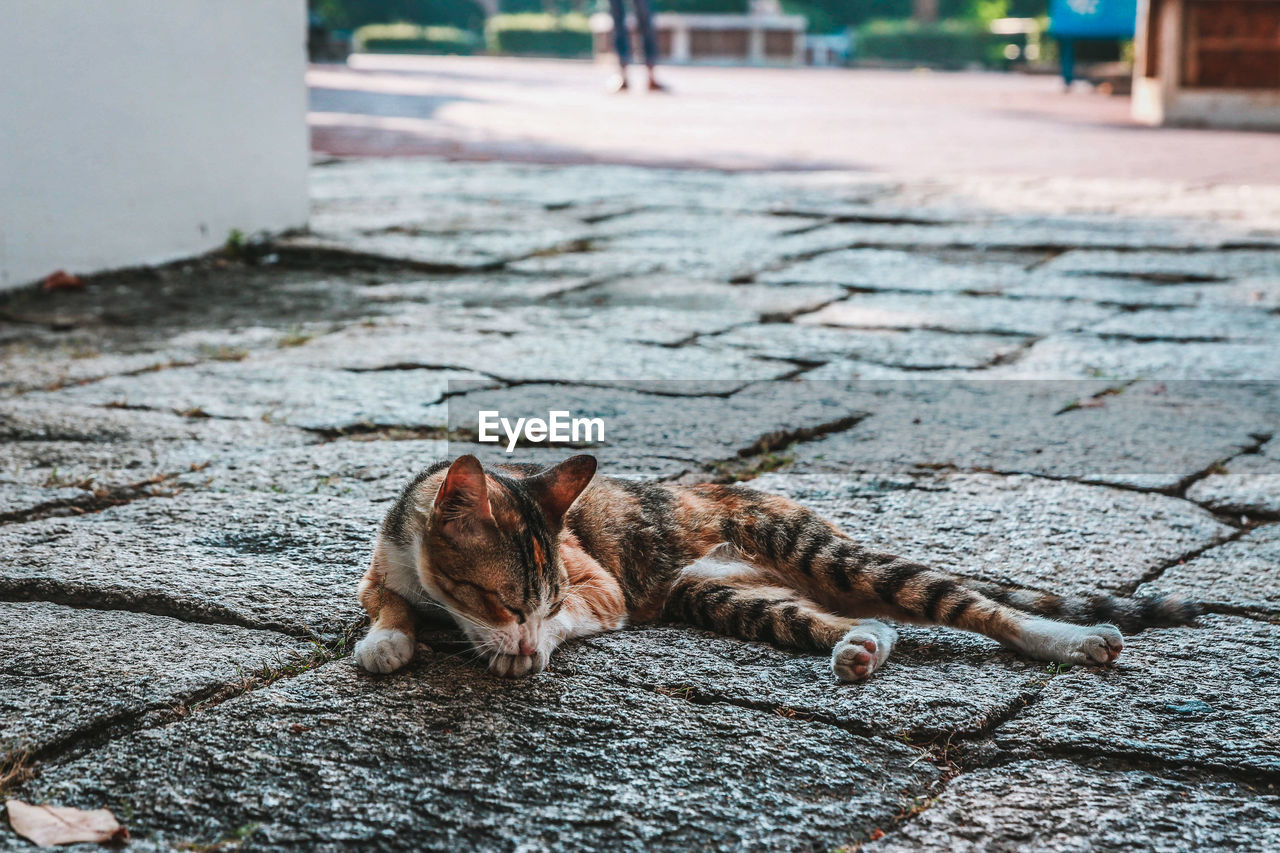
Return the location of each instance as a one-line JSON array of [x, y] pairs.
[[527, 648]]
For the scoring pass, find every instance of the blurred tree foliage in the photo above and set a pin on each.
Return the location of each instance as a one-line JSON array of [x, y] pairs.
[[824, 15], [352, 14]]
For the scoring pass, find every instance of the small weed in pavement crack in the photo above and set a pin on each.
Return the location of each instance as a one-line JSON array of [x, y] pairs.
[[97, 498], [292, 664], [15, 768], [230, 841]]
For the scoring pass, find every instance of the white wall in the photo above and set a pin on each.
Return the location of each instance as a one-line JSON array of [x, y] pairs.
[[140, 131]]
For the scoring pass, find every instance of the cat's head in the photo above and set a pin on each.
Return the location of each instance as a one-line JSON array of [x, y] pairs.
[[492, 556]]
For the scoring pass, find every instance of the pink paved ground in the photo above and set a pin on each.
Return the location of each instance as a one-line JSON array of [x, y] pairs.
[[912, 123]]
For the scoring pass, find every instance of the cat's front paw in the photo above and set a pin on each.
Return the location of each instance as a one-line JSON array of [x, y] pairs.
[[862, 651], [384, 650], [515, 666]]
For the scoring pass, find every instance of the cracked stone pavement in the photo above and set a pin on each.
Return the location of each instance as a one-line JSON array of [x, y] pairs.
[[193, 460]]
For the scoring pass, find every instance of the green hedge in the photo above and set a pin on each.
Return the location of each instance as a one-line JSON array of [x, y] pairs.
[[945, 44], [353, 14], [411, 38], [703, 7], [533, 34]]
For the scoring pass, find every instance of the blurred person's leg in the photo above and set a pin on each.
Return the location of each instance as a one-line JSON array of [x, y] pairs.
[[621, 44], [649, 39]]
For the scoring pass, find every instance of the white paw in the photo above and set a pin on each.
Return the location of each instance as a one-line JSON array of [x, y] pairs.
[[514, 666], [384, 650], [1097, 644], [1072, 644], [862, 651]]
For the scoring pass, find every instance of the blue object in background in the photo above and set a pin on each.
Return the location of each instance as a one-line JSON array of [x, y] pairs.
[[1089, 19]]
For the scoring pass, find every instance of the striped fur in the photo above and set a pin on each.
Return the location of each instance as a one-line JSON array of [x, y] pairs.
[[526, 558]]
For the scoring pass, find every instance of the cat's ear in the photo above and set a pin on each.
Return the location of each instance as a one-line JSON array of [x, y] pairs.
[[464, 495], [557, 488]]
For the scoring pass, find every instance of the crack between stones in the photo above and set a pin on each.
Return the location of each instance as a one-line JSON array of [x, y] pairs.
[[95, 501], [1269, 617], [1155, 573], [954, 747], [942, 749], [759, 457], [1168, 339], [150, 603], [160, 714], [1183, 486], [1135, 760], [996, 332], [1129, 589]]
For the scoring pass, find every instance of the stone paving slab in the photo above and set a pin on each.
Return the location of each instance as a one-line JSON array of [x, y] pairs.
[[1193, 324], [752, 301], [1126, 293], [217, 296], [1249, 485], [264, 561], [1083, 356], [948, 313], [1168, 266], [527, 356], [1032, 233], [422, 213], [1259, 293], [87, 355], [865, 349], [18, 499], [614, 263], [372, 471], [54, 453], [937, 682], [672, 224], [457, 251], [1057, 536], [445, 757], [1244, 574], [1205, 696], [1143, 435], [295, 395], [372, 468], [487, 290], [698, 423], [1060, 806], [67, 671], [907, 270]]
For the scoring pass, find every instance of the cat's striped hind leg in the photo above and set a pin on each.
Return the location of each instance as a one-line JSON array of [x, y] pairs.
[[724, 593]]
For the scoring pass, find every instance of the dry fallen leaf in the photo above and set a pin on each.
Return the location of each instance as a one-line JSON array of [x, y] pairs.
[[50, 825], [61, 280]]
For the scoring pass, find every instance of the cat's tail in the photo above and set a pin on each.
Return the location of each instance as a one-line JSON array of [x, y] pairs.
[[1127, 614]]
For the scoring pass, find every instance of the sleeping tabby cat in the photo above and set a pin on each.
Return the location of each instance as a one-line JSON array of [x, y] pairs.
[[525, 558]]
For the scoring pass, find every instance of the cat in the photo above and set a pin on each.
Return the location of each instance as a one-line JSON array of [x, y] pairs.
[[524, 558]]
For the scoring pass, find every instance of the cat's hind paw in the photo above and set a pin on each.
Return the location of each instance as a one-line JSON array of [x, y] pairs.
[[1099, 644], [862, 651], [384, 650], [1093, 645]]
